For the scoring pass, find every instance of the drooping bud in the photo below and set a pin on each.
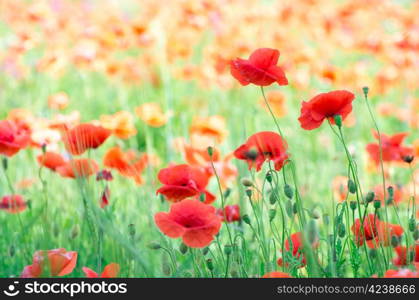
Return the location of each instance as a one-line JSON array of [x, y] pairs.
[[295, 209], [288, 191], [412, 224], [247, 182], [338, 120], [183, 248], [408, 158], [273, 197], [272, 214], [246, 219], [370, 196], [269, 176], [288, 208], [341, 230], [351, 186]]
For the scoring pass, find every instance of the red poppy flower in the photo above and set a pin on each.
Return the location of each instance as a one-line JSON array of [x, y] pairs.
[[110, 271], [392, 149], [13, 204], [12, 138], [104, 198], [401, 273], [76, 168], [195, 222], [297, 248], [51, 160], [375, 232], [262, 146], [104, 175], [230, 214], [184, 181], [402, 254], [260, 69], [84, 136], [325, 105], [277, 274], [56, 262]]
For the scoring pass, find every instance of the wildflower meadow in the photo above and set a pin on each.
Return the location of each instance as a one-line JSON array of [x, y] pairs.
[[209, 138]]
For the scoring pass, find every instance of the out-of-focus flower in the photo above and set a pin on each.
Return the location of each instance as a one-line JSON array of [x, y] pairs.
[[13, 204], [51, 160], [294, 245], [392, 148], [231, 213], [213, 127], [151, 114], [110, 271], [77, 168], [340, 187], [277, 274], [12, 138], [84, 136], [276, 101], [121, 124], [58, 101]]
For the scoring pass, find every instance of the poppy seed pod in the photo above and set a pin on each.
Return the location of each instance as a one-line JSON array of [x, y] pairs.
[[408, 158], [288, 191], [338, 120], [247, 182], [370, 197], [352, 205], [365, 89], [183, 248], [246, 219], [351, 186], [272, 214], [288, 208], [315, 214], [377, 204], [210, 151]]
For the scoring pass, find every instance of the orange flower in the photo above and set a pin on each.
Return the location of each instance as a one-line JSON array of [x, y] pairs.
[[77, 168], [51, 160], [121, 124], [56, 262], [128, 163], [110, 271], [213, 127], [58, 101], [151, 114], [340, 187], [84, 136]]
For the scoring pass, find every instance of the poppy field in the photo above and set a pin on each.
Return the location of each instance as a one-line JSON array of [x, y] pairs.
[[209, 138]]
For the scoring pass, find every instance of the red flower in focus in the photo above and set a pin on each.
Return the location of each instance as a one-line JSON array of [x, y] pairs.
[[297, 248], [230, 214], [56, 262], [325, 105], [76, 168], [375, 232], [84, 136], [262, 146], [12, 138], [260, 69], [51, 160], [184, 181], [13, 204], [392, 149], [195, 222], [110, 271], [277, 274]]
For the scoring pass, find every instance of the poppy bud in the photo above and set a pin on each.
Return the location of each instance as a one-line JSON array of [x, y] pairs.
[[338, 120], [416, 234], [247, 182], [210, 264], [227, 193], [273, 197], [249, 193], [5, 163], [272, 214], [154, 246], [202, 197], [210, 151], [294, 209], [370, 196], [44, 148], [408, 158], [288, 191], [75, 231], [288, 208], [373, 253], [394, 241], [351, 186], [412, 224], [227, 250], [269, 176], [352, 205], [131, 230], [390, 191], [365, 89], [205, 251], [183, 248], [341, 230], [377, 204], [246, 219]]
